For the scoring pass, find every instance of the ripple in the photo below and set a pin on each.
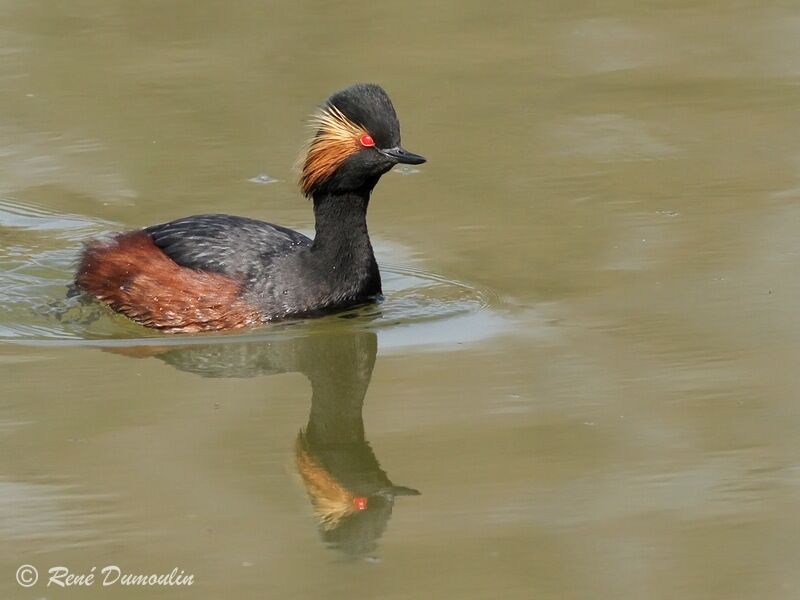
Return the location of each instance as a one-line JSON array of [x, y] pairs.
[[262, 179], [38, 251], [15, 215]]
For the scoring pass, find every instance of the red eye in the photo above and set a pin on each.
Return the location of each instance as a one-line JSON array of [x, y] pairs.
[[367, 141]]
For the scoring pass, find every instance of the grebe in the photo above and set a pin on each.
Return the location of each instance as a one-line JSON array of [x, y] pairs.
[[214, 272]]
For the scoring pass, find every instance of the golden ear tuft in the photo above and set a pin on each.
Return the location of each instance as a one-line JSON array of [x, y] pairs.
[[337, 137]]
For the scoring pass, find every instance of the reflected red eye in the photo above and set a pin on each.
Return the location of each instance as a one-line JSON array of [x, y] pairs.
[[360, 502], [367, 141]]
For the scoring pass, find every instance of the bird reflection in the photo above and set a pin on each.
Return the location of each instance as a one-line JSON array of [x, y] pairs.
[[351, 496]]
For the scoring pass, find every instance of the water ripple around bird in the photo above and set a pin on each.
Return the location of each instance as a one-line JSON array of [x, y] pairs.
[[39, 248]]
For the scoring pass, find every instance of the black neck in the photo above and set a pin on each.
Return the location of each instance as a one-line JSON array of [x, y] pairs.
[[340, 220], [341, 243]]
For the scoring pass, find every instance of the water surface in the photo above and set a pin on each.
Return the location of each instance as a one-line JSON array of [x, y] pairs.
[[584, 360]]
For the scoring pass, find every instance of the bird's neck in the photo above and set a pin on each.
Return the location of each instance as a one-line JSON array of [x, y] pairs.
[[341, 244]]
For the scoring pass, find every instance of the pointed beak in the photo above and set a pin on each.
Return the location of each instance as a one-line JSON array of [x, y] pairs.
[[400, 155], [400, 490]]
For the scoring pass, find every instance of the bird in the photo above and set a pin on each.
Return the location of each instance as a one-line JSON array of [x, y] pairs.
[[214, 272]]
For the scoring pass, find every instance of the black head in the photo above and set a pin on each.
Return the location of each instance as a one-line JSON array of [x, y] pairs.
[[357, 140]]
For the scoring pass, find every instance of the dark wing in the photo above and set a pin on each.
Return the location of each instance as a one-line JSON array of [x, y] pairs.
[[224, 244]]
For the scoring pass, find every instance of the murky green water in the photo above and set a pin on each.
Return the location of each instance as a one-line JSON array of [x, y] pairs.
[[585, 363]]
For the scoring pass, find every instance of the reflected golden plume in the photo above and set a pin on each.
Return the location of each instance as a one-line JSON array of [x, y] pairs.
[[331, 501]]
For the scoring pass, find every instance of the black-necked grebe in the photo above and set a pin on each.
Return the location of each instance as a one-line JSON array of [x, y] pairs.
[[211, 272]]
